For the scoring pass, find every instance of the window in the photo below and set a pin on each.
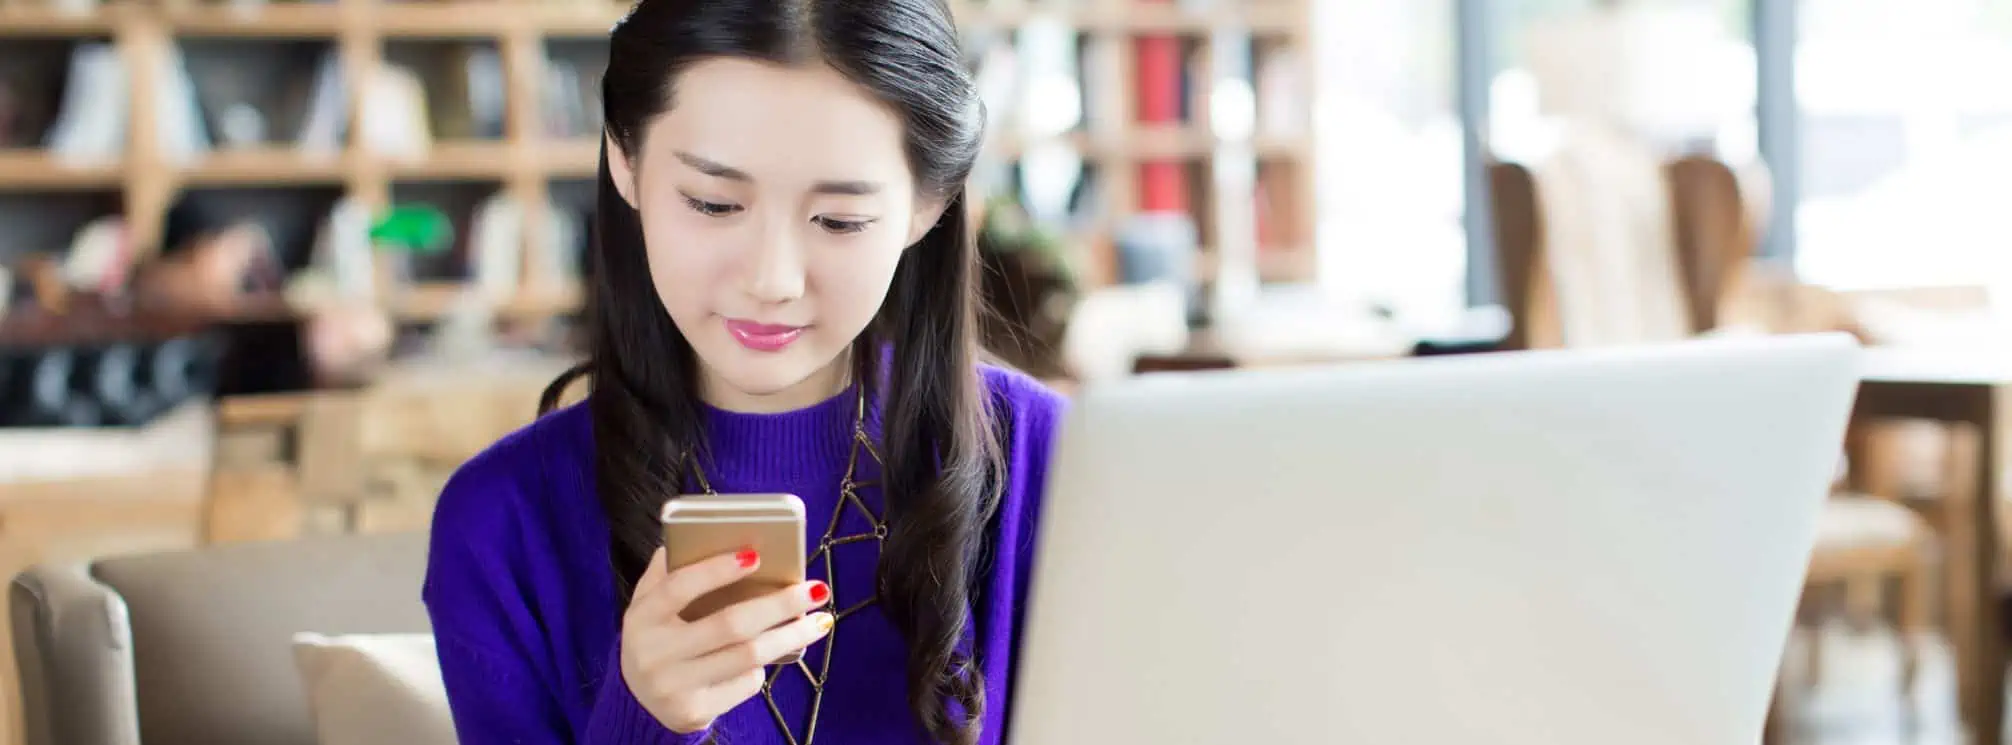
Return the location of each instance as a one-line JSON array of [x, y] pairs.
[[1677, 73], [1906, 144], [1390, 157]]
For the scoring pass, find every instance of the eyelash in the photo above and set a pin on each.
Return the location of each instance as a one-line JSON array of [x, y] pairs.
[[711, 209], [831, 225], [841, 227]]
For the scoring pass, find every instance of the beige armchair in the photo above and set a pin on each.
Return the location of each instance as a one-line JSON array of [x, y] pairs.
[[196, 647]]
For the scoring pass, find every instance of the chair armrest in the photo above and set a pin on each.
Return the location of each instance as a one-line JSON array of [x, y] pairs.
[[73, 645]]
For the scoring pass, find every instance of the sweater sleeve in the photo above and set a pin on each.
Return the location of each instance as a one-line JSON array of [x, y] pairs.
[[1037, 413], [493, 660], [619, 718]]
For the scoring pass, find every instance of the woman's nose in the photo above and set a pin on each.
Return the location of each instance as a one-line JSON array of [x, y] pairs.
[[775, 272]]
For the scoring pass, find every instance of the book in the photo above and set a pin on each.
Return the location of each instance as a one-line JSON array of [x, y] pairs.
[[179, 121], [326, 123], [1163, 185], [91, 122], [496, 247]]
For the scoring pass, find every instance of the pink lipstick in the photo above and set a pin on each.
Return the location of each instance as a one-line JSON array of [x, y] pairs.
[[763, 337]]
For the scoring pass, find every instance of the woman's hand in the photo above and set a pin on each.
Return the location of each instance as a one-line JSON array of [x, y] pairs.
[[686, 674]]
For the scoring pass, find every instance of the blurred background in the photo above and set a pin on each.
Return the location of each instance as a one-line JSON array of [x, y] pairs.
[[271, 270]]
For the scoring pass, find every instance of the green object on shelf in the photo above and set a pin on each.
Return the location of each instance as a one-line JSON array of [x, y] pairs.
[[413, 228], [1008, 229]]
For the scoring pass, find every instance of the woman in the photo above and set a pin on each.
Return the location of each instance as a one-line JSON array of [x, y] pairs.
[[782, 260]]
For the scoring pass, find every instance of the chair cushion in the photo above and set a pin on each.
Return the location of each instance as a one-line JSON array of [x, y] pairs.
[[1853, 521], [368, 689], [212, 630]]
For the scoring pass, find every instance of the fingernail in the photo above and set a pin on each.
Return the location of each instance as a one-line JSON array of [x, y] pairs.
[[747, 558], [824, 621], [819, 592]]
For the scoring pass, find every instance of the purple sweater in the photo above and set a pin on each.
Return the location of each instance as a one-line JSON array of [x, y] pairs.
[[524, 608]]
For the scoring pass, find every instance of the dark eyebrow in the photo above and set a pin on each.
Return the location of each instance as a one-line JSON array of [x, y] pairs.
[[838, 188], [846, 188], [710, 168]]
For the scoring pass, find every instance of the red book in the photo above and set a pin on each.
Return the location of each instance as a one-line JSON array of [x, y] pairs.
[[1163, 185], [1159, 84]]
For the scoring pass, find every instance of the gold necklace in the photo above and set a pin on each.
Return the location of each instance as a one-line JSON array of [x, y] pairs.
[[848, 496]]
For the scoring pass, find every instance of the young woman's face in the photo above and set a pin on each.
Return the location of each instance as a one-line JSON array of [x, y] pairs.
[[775, 203]]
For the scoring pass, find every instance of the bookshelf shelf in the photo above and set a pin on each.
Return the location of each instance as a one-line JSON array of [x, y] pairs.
[[424, 302], [1274, 263], [431, 301], [1160, 142], [446, 20], [1157, 142], [266, 166], [282, 20], [23, 20], [31, 170], [579, 19], [1281, 147], [574, 158], [1135, 17], [1169, 18], [458, 161]]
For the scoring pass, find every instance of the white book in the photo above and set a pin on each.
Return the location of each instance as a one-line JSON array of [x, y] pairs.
[[486, 85], [496, 246], [327, 119], [344, 252], [90, 125], [396, 126], [179, 122], [1051, 95], [564, 233]]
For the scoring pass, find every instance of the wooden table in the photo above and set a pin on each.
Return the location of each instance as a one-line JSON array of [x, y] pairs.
[[357, 460], [1971, 388]]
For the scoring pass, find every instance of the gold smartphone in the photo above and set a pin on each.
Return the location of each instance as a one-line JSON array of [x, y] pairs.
[[702, 526]]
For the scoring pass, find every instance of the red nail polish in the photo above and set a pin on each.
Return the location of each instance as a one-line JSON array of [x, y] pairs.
[[819, 592], [747, 558]]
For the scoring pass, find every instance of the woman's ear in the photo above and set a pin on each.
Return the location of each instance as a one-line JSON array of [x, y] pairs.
[[928, 211], [620, 171]]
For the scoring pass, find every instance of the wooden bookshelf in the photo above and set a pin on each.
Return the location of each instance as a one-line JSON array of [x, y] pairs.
[[1115, 140], [144, 31], [524, 161]]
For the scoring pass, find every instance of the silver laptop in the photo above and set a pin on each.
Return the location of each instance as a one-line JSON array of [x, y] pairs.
[[1561, 548]]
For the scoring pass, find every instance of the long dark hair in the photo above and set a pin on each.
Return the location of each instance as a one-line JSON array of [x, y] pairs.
[[940, 446]]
